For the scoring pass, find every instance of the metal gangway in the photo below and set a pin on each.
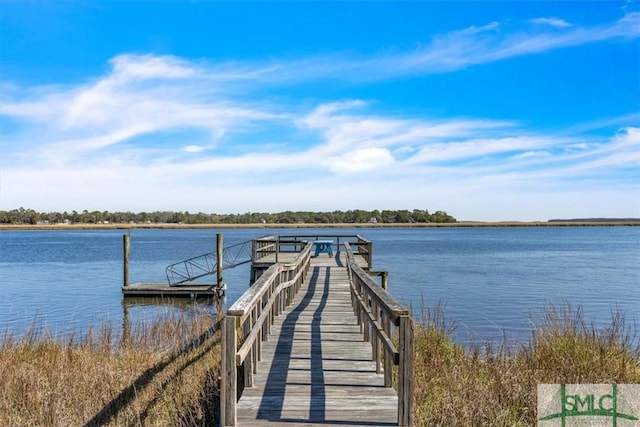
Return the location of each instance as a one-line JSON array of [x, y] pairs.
[[194, 268]]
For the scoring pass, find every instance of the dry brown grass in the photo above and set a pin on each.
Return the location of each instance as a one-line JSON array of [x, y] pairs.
[[491, 386], [160, 374], [166, 373]]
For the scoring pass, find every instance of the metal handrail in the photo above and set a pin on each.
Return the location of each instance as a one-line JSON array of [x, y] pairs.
[[194, 268]]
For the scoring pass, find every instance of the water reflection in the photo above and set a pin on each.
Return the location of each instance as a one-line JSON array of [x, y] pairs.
[[136, 309]]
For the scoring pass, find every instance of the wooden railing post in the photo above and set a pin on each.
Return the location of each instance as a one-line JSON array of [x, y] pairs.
[[248, 362], [229, 389], [375, 349], [388, 357], [254, 258], [365, 318], [405, 372], [384, 281]]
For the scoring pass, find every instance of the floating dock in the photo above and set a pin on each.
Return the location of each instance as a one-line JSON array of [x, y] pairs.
[[163, 290]]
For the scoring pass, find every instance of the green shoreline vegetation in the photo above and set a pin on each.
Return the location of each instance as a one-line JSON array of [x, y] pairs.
[[469, 224], [29, 219], [166, 373], [24, 216]]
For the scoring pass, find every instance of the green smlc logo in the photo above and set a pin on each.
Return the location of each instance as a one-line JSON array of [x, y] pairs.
[[589, 405]]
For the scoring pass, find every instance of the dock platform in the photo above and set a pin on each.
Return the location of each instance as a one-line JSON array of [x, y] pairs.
[[163, 290]]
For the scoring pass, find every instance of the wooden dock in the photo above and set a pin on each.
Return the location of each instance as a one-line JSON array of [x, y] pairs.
[[316, 367], [314, 341], [310, 343]]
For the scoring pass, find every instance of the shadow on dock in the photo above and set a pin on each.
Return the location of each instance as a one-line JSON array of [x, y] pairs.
[[276, 383]]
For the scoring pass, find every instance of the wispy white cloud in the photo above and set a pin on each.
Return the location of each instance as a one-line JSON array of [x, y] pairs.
[[130, 67], [471, 46], [533, 154], [495, 42], [553, 22], [194, 148], [365, 159], [342, 129], [474, 45], [141, 95]]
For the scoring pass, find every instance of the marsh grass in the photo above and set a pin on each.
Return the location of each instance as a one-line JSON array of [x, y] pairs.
[[162, 373], [166, 372], [497, 386]]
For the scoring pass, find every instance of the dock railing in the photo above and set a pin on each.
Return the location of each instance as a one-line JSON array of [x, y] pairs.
[[377, 311], [248, 321], [269, 245], [263, 247]]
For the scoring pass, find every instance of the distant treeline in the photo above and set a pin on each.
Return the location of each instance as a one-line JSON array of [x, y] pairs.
[[30, 216], [608, 220]]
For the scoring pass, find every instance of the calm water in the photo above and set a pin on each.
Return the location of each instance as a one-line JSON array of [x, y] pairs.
[[490, 280]]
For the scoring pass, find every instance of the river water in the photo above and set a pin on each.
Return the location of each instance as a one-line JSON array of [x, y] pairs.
[[490, 281]]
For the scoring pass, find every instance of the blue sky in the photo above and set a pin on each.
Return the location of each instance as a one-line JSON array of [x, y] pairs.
[[487, 110]]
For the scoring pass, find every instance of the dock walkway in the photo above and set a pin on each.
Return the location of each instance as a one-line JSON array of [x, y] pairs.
[[316, 368], [315, 340]]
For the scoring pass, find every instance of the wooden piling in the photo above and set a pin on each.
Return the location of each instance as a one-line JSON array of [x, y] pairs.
[[126, 243]]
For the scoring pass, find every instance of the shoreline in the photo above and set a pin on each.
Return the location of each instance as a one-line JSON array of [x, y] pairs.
[[461, 224]]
